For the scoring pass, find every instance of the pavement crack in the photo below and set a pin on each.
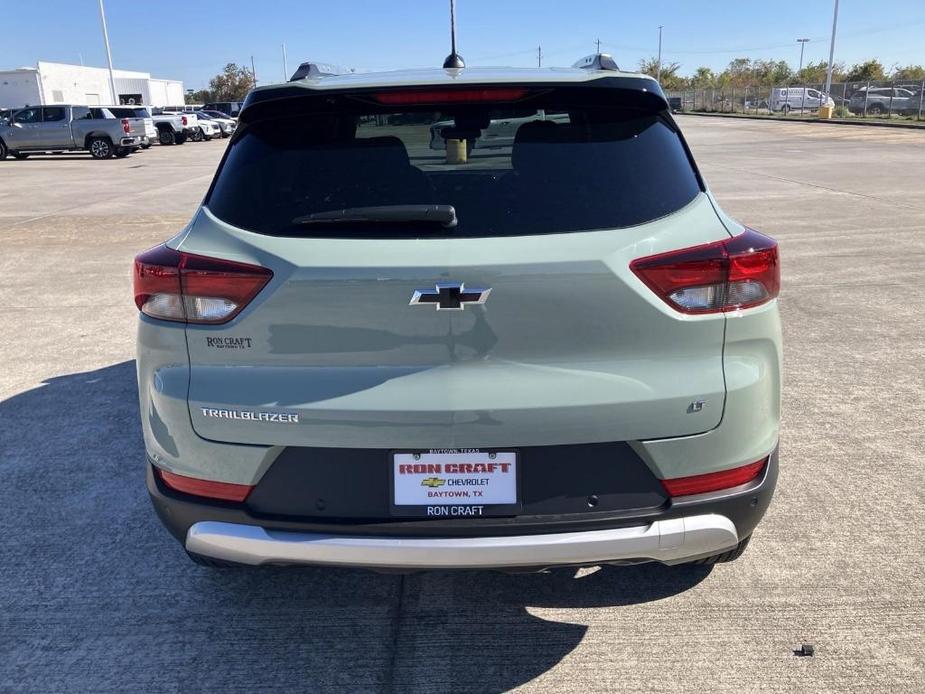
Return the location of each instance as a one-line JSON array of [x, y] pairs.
[[388, 684], [827, 188]]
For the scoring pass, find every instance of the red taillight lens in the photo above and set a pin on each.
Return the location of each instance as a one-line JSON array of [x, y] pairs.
[[176, 286], [126, 127], [449, 96], [714, 481], [214, 490], [737, 273], [184, 119]]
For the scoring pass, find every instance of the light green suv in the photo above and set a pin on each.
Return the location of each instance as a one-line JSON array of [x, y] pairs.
[[365, 352]]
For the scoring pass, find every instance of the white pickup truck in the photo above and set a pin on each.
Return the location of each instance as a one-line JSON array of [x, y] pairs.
[[62, 128], [196, 130], [137, 112]]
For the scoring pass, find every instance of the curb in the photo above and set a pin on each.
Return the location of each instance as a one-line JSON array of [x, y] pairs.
[[784, 119]]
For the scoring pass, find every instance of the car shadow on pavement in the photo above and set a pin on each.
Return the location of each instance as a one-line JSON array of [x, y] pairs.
[[100, 598]]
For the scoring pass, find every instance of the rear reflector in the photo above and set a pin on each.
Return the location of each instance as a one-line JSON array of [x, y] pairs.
[[175, 286], [449, 96], [714, 481], [214, 490], [740, 272]]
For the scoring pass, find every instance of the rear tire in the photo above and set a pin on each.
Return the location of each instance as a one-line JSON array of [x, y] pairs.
[[100, 148], [197, 135], [167, 137], [181, 138], [3, 150], [212, 563], [723, 557], [875, 109], [786, 109]]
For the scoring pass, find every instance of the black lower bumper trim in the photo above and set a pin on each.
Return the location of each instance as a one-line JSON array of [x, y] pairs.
[[744, 506]]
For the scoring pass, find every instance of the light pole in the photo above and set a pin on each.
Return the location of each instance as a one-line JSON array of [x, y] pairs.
[[802, 43], [285, 65], [828, 73], [112, 80], [658, 75]]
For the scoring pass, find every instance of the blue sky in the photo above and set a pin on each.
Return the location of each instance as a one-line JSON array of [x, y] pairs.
[[203, 35]]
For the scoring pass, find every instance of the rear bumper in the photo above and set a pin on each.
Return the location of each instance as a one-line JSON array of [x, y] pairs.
[[666, 541], [683, 529], [134, 141]]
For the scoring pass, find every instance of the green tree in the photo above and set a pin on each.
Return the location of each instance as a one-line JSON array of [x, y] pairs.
[[232, 84], [703, 77], [738, 73], [669, 73], [770, 72], [868, 70], [814, 73], [201, 96], [910, 72]]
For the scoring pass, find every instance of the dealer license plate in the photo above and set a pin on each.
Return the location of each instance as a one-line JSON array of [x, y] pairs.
[[454, 483]]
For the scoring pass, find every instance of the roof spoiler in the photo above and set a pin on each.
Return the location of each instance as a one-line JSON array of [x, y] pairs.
[[313, 70], [597, 61]]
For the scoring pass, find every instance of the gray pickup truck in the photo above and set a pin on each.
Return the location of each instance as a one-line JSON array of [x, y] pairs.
[[70, 128]]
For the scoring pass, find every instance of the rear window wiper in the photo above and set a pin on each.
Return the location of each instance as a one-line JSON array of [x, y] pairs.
[[444, 215]]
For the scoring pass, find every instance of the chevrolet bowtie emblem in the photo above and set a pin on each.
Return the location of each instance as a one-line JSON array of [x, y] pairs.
[[432, 482], [450, 296]]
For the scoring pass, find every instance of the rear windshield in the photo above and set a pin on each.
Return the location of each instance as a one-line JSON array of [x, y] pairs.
[[553, 163], [133, 112]]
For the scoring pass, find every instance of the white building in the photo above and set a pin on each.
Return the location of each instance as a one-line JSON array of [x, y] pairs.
[[60, 83]]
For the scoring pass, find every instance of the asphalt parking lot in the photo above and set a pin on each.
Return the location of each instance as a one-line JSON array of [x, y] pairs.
[[94, 595]]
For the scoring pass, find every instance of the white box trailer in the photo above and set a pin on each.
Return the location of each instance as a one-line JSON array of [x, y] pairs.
[[62, 83]]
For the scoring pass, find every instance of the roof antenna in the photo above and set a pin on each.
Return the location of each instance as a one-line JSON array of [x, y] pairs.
[[453, 60]]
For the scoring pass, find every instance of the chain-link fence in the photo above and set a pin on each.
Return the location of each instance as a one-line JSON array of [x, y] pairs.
[[884, 99]]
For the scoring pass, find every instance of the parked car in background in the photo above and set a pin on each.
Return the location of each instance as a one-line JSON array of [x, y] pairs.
[[4, 114], [229, 108], [207, 128], [226, 123], [70, 128], [171, 128], [499, 132], [137, 112], [190, 122], [878, 100], [205, 118], [786, 99]]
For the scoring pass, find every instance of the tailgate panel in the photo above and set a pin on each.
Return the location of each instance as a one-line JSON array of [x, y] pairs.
[[569, 348]]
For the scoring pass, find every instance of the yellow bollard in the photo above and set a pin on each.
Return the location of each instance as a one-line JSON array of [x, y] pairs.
[[456, 151], [826, 111]]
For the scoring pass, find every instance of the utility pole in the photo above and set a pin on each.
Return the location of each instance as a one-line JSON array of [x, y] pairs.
[[539, 56], [802, 43], [253, 71], [598, 42], [828, 73], [285, 66], [112, 80], [658, 77]]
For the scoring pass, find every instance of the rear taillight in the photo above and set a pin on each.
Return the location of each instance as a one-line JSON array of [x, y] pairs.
[[450, 96], [740, 272], [126, 126], [714, 481], [185, 123], [213, 490], [176, 286]]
